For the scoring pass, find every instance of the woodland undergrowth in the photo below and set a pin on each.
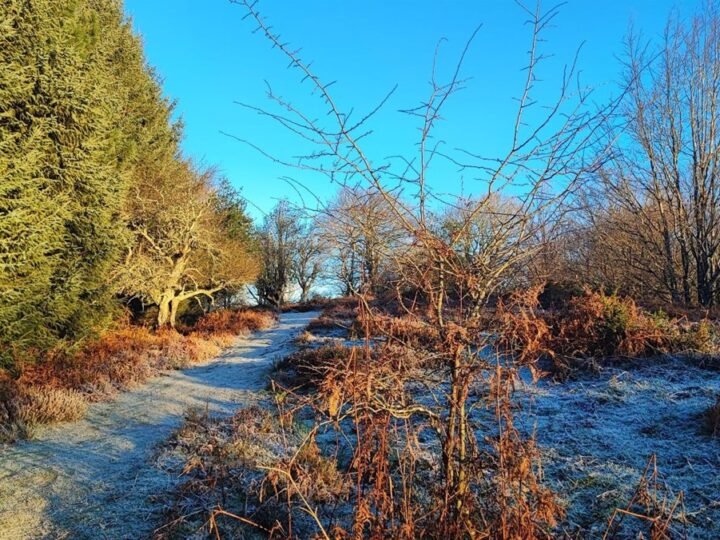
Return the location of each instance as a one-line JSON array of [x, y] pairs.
[[359, 440]]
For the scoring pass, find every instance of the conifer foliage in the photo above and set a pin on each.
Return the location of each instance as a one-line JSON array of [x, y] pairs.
[[81, 117]]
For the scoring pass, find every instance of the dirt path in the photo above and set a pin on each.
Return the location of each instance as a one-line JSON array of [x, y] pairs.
[[93, 478]]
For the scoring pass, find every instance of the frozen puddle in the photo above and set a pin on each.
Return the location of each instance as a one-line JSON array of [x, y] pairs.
[[95, 478], [597, 433]]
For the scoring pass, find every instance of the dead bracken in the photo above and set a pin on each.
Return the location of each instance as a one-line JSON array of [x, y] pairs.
[[60, 388]]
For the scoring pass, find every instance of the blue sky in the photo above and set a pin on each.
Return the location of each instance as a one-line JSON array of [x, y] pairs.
[[209, 58]]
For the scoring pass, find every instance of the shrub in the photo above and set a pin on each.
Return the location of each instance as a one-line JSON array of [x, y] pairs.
[[304, 338], [48, 405], [314, 304], [313, 474], [598, 325], [558, 294], [326, 323], [237, 322], [520, 329], [590, 327], [412, 332], [307, 368], [9, 403], [342, 308], [700, 338]]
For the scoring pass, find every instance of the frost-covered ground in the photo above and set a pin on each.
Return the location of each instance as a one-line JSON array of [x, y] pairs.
[[97, 478], [596, 433]]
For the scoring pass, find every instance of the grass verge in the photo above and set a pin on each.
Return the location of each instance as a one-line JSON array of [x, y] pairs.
[[60, 387]]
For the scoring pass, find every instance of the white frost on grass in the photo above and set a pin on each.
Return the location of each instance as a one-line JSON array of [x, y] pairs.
[[94, 479], [597, 432]]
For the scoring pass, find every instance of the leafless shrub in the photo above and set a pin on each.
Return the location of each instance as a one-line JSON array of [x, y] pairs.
[[444, 269]]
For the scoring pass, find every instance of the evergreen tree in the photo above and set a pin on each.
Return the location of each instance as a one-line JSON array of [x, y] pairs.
[[79, 112]]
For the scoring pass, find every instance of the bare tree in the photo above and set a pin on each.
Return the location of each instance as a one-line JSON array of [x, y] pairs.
[[666, 169], [551, 149], [181, 247], [277, 243], [364, 237], [309, 257], [483, 236], [347, 269]]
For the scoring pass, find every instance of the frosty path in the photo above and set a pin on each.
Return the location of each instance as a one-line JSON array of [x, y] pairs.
[[93, 478]]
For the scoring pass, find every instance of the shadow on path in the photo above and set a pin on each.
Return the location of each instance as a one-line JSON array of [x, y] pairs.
[[93, 478]]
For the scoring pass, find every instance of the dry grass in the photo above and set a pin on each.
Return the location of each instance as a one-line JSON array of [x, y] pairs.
[[371, 477], [339, 314], [240, 474], [118, 361], [521, 329], [412, 332], [388, 485], [48, 405], [292, 485], [304, 338], [379, 460], [654, 506], [305, 369], [700, 337], [316, 304], [235, 322], [598, 325], [59, 388], [325, 323], [343, 308]]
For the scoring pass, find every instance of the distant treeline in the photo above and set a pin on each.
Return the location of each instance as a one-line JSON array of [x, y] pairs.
[[97, 204]]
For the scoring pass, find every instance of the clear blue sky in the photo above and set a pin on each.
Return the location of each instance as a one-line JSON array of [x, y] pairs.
[[209, 58]]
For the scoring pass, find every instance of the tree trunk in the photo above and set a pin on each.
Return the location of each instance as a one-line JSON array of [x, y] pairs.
[[174, 304], [163, 317], [669, 271], [304, 290], [704, 287]]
